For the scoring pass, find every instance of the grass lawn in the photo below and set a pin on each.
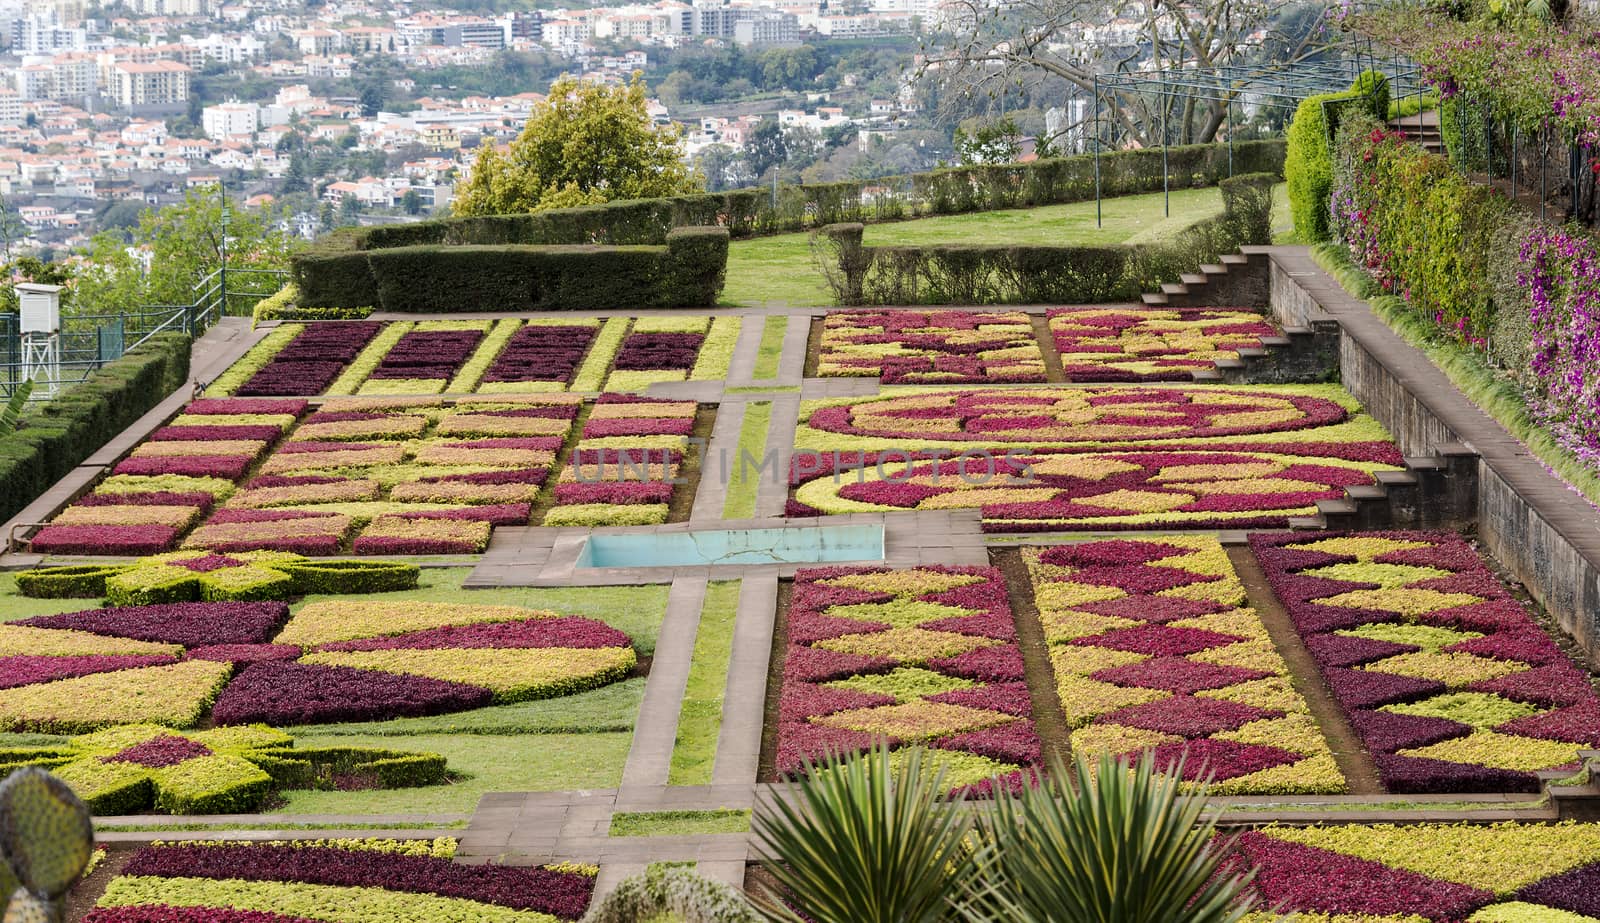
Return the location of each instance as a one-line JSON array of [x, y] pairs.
[[771, 354], [740, 502], [544, 762], [679, 823], [779, 268], [14, 605], [694, 753]]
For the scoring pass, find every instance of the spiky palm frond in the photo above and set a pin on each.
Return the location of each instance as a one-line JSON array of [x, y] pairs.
[[1123, 845], [867, 839]]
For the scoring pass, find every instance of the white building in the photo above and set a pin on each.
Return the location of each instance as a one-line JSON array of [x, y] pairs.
[[227, 120]]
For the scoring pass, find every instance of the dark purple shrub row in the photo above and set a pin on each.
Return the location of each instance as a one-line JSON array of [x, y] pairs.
[[188, 624], [639, 426], [155, 498], [542, 354], [312, 360], [428, 354], [641, 351], [25, 670], [498, 514], [228, 467], [278, 692], [569, 631], [233, 405], [561, 894], [614, 492], [161, 913], [244, 653], [208, 433], [107, 540]]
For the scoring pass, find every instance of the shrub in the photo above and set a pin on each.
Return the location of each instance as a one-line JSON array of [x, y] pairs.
[[1011, 274], [1308, 163], [73, 426]]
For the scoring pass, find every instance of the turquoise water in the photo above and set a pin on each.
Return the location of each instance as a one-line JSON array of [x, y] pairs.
[[798, 545]]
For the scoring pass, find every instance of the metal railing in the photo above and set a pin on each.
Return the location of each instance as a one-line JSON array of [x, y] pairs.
[[89, 341]]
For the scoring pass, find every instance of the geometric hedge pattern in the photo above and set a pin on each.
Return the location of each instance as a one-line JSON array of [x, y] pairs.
[[1444, 675]]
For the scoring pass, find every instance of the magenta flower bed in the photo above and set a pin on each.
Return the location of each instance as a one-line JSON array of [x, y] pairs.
[[570, 631], [496, 514], [922, 347], [812, 703], [103, 540], [542, 354], [234, 405], [653, 351], [188, 624], [561, 894], [25, 670], [230, 467], [614, 492], [244, 653], [639, 426], [312, 360], [509, 476], [154, 498], [209, 433], [1542, 696], [428, 354], [276, 692], [165, 750], [1305, 879]]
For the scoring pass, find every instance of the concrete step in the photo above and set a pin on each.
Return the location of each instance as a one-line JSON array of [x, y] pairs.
[[1213, 269], [1307, 523], [1153, 301], [1234, 259], [1174, 288], [1193, 278]]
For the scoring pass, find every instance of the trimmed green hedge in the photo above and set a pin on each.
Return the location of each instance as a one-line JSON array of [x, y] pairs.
[[1308, 163], [687, 271], [1012, 274], [74, 425], [745, 212], [283, 307]]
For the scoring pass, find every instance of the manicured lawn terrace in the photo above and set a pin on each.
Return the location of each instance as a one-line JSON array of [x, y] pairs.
[[780, 268], [516, 688], [502, 356], [1089, 458], [392, 475]]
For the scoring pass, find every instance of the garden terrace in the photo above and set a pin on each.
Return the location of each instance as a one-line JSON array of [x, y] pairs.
[[1157, 585]]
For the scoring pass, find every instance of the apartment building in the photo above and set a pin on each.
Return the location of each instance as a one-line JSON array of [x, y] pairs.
[[159, 86]]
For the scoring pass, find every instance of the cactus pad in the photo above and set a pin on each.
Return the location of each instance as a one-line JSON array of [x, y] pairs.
[[27, 908], [45, 832]]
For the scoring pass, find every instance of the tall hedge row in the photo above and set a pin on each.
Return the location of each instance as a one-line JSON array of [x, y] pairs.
[[686, 271], [1012, 274], [1308, 163], [752, 211], [74, 425]]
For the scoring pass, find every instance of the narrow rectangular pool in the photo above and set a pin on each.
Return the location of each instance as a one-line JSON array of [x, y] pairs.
[[794, 545]]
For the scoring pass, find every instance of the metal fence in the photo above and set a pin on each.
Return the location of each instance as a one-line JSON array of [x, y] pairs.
[[88, 341]]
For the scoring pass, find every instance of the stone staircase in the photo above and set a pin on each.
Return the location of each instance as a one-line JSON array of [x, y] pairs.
[[1238, 280], [1423, 129], [1435, 491]]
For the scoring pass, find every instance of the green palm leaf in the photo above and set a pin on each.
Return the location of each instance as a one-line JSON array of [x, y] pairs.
[[867, 839], [1125, 845]]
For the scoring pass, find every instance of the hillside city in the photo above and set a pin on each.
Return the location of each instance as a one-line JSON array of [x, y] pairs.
[[368, 110]]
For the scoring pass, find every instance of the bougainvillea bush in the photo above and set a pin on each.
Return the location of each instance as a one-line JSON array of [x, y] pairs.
[[141, 767], [922, 656], [337, 881], [1499, 873], [338, 660], [926, 347], [1444, 675], [1100, 458], [397, 474], [171, 480], [1135, 344], [1155, 648], [626, 464]]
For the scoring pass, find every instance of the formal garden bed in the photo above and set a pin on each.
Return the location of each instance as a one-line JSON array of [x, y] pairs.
[[1133, 344], [500, 356], [345, 880], [930, 347], [1089, 458]]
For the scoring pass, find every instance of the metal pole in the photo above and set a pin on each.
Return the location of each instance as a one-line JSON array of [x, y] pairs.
[[1166, 174], [227, 222], [1097, 216], [1227, 114]]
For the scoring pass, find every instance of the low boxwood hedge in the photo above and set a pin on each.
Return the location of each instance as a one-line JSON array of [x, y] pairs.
[[71, 427]]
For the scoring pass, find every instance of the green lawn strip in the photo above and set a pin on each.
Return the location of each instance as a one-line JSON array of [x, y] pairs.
[[13, 605], [740, 502], [780, 268], [542, 762], [756, 389], [700, 720], [613, 708], [637, 610], [1495, 395], [679, 823], [771, 349]]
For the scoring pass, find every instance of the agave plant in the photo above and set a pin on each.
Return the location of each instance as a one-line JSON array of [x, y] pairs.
[[672, 894], [867, 839], [1123, 845]]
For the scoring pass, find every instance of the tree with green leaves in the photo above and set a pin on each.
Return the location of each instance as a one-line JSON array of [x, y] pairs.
[[411, 203], [991, 143], [586, 144]]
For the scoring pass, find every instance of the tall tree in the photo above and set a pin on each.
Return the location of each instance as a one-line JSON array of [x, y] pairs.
[[587, 143], [993, 50]]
